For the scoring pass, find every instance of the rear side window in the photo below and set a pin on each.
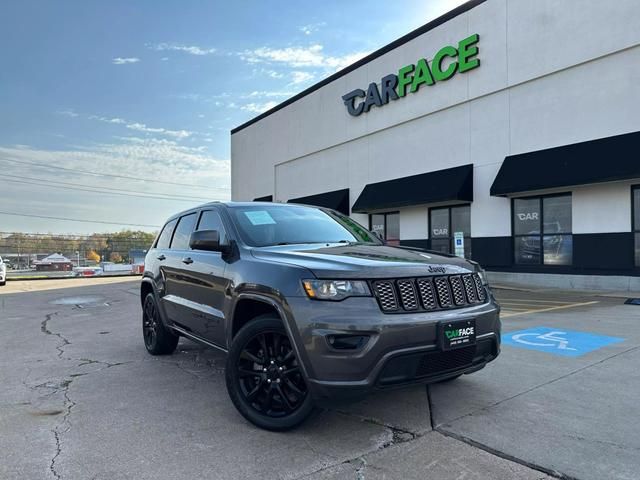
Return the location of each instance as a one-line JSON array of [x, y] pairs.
[[183, 232], [210, 220], [165, 236]]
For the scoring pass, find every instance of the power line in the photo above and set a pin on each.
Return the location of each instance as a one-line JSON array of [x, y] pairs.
[[79, 220], [63, 187], [65, 235], [112, 175], [22, 177]]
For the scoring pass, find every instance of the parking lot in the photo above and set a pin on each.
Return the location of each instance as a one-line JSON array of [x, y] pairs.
[[81, 399]]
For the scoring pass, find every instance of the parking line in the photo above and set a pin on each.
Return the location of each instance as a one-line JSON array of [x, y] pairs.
[[532, 300], [532, 304], [559, 307]]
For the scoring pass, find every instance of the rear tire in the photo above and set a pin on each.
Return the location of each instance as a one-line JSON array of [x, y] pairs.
[[2, 284], [264, 377], [158, 339]]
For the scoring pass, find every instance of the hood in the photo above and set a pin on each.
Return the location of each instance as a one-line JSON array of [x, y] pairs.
[[363, 261]]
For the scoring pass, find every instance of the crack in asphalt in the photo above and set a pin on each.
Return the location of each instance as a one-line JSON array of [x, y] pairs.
[[498, 453], [361, 469], [199, 363], [65, 423], [59, 431], [44, 328], [398, 436]]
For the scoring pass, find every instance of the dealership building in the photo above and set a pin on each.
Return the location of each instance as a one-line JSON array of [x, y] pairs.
[[505, 130]]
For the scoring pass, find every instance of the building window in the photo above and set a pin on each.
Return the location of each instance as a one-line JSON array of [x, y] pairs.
[[542, 230], [636, 221], [387, 225], [443, 225]]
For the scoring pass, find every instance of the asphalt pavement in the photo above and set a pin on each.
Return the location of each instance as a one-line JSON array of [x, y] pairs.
[[81, 399]]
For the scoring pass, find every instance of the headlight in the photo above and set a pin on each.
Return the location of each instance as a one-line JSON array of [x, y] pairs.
[[335, 289]]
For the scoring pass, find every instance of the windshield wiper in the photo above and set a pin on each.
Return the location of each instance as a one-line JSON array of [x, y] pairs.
[[295, 243], [312, 243]]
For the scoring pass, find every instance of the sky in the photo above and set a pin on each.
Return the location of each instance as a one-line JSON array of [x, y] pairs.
[[119, 112]]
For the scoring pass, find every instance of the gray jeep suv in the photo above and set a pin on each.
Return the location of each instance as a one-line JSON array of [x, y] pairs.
[[312, 308]]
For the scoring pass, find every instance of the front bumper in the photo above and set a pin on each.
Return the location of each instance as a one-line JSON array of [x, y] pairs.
[[402, 349]]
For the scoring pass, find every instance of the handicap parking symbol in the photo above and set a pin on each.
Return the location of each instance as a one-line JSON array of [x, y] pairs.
[[568, 343]]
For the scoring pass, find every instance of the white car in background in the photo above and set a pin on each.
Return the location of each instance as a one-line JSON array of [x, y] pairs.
[[3, 273]]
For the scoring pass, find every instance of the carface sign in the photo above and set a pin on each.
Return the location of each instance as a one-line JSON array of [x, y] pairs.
[[446, 62]]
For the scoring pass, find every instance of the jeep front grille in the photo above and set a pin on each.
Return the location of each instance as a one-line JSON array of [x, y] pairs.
[[407, 295], [386, 296], [429, 293]]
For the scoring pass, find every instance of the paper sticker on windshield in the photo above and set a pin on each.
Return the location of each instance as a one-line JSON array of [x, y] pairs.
[[260, 217]]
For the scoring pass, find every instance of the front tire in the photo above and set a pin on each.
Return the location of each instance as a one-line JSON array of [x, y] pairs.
[[158, 339], [263, 376]]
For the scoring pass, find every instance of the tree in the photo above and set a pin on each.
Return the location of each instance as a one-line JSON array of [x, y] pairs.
[[115, 257], [92, 255]]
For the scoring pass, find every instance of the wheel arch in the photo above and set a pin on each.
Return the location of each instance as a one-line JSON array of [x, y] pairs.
[[146, 287], [270, 305]]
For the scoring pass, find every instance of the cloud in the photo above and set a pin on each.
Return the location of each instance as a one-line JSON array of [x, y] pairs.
[[175, 47], [298, 77], [267, 94], [125, 60], [68, 113], [258, 107], [114, 120], [157, 158], [312, 27], [272, 73], [141, 127], [150, 158], [300, 57]]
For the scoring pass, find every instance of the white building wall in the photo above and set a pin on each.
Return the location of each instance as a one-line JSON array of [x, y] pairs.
[[602, 208], [552, 73]]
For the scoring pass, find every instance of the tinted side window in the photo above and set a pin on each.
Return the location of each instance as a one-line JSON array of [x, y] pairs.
[[183, 232], [210, 220], [165, 236]]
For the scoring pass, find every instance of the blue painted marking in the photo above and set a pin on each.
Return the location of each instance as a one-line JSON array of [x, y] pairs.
[[558, 341]]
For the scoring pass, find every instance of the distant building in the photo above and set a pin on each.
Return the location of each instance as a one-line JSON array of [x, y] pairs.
[[54, 263], [136, 257]]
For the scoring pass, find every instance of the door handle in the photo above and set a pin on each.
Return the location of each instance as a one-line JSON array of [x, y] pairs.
[[161, 257], [187, 260]]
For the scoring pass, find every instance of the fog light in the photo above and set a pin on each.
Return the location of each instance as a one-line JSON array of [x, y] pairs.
[[347, 342]]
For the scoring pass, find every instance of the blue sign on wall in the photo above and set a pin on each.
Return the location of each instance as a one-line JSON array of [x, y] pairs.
[[559, 341]]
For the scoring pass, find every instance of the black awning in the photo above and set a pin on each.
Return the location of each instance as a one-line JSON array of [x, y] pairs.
[[267, 198], [596, 161], [337, 200], [445, 185]]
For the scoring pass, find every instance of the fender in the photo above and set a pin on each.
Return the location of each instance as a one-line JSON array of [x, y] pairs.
[[284, 312], [147, 279]]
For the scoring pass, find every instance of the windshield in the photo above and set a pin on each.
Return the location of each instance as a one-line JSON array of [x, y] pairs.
[[262, 226]]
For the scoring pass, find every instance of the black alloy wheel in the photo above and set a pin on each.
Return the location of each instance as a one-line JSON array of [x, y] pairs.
[[149, 323], [264, 378], [158, 340]]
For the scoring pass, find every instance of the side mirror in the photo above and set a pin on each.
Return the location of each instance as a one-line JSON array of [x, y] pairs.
[[208, 240]]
